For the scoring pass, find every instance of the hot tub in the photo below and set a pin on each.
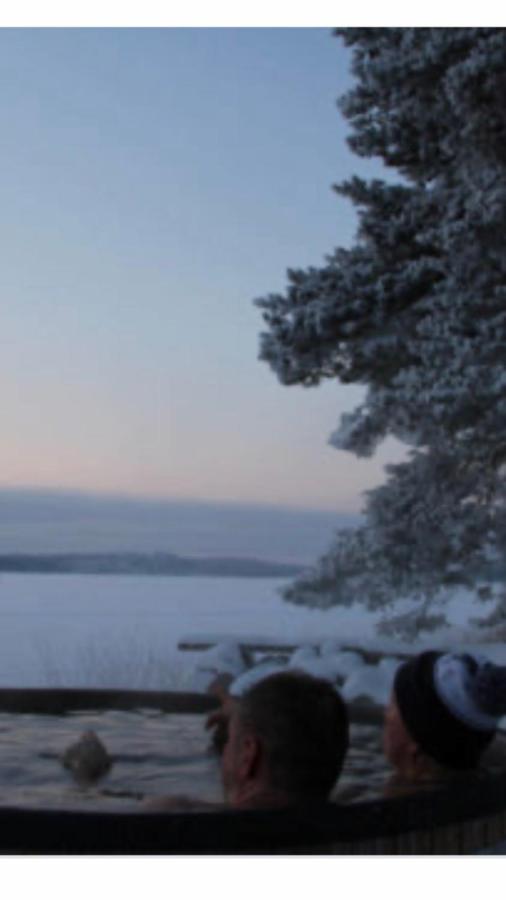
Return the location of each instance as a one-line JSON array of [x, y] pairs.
[[461, 818]]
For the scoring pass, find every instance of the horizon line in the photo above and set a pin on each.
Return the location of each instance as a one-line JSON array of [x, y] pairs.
[[118, 496]]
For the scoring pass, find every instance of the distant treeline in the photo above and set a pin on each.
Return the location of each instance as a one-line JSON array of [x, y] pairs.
[[143, 564]]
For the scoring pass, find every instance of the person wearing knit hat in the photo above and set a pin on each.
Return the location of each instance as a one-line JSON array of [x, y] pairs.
[[443, 714]]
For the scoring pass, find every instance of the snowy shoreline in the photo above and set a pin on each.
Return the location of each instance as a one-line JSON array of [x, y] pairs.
[[124, 631]]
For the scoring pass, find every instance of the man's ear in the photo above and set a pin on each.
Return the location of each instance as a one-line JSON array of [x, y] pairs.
[[250, 755]]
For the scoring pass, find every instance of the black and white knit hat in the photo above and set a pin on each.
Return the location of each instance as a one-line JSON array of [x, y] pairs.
[[451, 704]]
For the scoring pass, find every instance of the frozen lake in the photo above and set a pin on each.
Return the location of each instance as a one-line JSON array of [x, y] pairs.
[[123, 631]]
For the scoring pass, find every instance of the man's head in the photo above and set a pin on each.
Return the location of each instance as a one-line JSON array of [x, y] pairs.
[[443, 713], [287, 739]]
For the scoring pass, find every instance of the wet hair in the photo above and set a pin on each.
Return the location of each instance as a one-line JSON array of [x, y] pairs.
[[302, 723], [451, 705]]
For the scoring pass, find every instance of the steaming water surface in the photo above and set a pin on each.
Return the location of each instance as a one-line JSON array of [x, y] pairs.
[[154, 753]]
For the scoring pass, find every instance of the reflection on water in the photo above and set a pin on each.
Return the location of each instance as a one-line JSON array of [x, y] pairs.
[[153, 752]]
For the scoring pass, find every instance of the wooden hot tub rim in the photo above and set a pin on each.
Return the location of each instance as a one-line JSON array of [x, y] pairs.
[[465, 816], [57, 701]]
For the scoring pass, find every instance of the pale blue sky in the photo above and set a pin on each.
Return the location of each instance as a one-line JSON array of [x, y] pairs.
[[152, 184]]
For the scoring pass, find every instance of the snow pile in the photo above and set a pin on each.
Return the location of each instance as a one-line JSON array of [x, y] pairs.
[[344, 661], [222, 658], [333, 666], [303, 656], [345, 669]]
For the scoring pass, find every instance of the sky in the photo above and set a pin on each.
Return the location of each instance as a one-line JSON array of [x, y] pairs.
[[153, 183]]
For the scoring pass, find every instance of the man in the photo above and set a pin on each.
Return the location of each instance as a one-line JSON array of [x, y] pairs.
[[287, 738], [443, 715]]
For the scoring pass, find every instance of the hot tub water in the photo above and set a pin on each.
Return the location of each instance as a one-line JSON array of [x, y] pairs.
[[153, 753]]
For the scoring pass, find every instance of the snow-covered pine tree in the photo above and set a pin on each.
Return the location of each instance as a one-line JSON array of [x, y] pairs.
[[416, 311]]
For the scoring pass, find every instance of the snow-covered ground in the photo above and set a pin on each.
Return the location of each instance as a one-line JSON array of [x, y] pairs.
[[83, 629], [123, 631]]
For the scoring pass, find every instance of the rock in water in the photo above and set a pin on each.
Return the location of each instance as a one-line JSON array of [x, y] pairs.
[[87, 759]]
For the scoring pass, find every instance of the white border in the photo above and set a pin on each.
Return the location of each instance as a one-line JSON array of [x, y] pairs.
[[206, 14]]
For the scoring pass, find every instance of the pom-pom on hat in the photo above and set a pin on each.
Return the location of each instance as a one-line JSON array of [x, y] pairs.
[[451, 705]]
